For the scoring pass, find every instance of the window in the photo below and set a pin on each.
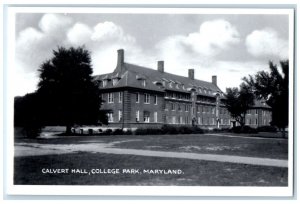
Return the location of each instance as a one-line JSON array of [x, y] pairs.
[[120, 115], [187, 120], [137, 97], [147, 98], [144, 82], [110, 117], [155, 99], [199, 121], [120, 97], [155, 117], [179, 107], [137, 116], [115, 81], [180, 120], [174, 120], [146, 116], [110, 97], [212, 121], [256, 121], [222, 121], [166, 106], [173, 106], [186, 108], [213, 110], [104, 83], [256, 111]]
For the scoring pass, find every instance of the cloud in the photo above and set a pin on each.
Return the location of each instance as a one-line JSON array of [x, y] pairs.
[[266, 42], [35, 45], [212, 38], [79, 34], [54, 23], [108, 31]]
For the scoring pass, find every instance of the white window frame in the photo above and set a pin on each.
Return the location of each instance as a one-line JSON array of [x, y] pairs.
[[146, 117], [155, 99], [173, 107], [115, 81], [173, 119], [137, 97], [120, 115], [137, 116], [110, 97], [120, 97], [110, 117], [155, 117], [104, 83], [146, 98]]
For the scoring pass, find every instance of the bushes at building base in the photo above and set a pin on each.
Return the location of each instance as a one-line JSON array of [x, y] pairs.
[[267, 129], [170, 130], [243, 129]]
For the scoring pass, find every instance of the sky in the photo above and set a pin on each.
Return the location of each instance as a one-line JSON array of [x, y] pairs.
[[230, 46]]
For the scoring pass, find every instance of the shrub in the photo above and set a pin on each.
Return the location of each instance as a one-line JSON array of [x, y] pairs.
[[244, 129], [267, 129], [118, 132], [221, 130], [169, 129], [128, 132], [148, 131], [108, 132], [185, 130], [32, 131], [197, 130]]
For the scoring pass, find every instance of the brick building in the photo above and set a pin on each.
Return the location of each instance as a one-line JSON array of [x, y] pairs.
[[136, 96]]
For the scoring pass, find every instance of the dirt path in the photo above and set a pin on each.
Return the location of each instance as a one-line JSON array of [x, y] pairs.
[[33, 149]]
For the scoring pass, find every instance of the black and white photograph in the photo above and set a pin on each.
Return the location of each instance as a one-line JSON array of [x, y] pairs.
[[152, 97]]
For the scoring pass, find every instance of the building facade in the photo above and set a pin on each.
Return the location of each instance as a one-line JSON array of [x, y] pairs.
[[135, 97]]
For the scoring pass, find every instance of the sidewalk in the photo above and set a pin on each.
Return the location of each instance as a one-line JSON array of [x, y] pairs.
[[38, 149]]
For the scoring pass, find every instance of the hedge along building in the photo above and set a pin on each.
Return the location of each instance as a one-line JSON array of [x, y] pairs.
[[136, 97]]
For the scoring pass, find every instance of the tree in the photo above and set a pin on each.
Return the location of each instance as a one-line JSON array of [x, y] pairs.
[[27, 114], [273, 87], [67, 90], [238, 101]]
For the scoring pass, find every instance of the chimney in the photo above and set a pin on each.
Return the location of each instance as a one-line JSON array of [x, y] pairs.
[[120, 57], [160, 66], [214, 80], [191, 74]]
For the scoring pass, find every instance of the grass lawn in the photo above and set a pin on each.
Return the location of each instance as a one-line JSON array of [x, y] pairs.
[[266, 148], [239, 146], [28, 170]]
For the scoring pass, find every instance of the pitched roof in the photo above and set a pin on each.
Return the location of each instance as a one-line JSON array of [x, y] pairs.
[[132, 75]]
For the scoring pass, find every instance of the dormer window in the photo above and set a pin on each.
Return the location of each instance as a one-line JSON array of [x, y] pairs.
[[115, 81], [104, 83], [144, 82]]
